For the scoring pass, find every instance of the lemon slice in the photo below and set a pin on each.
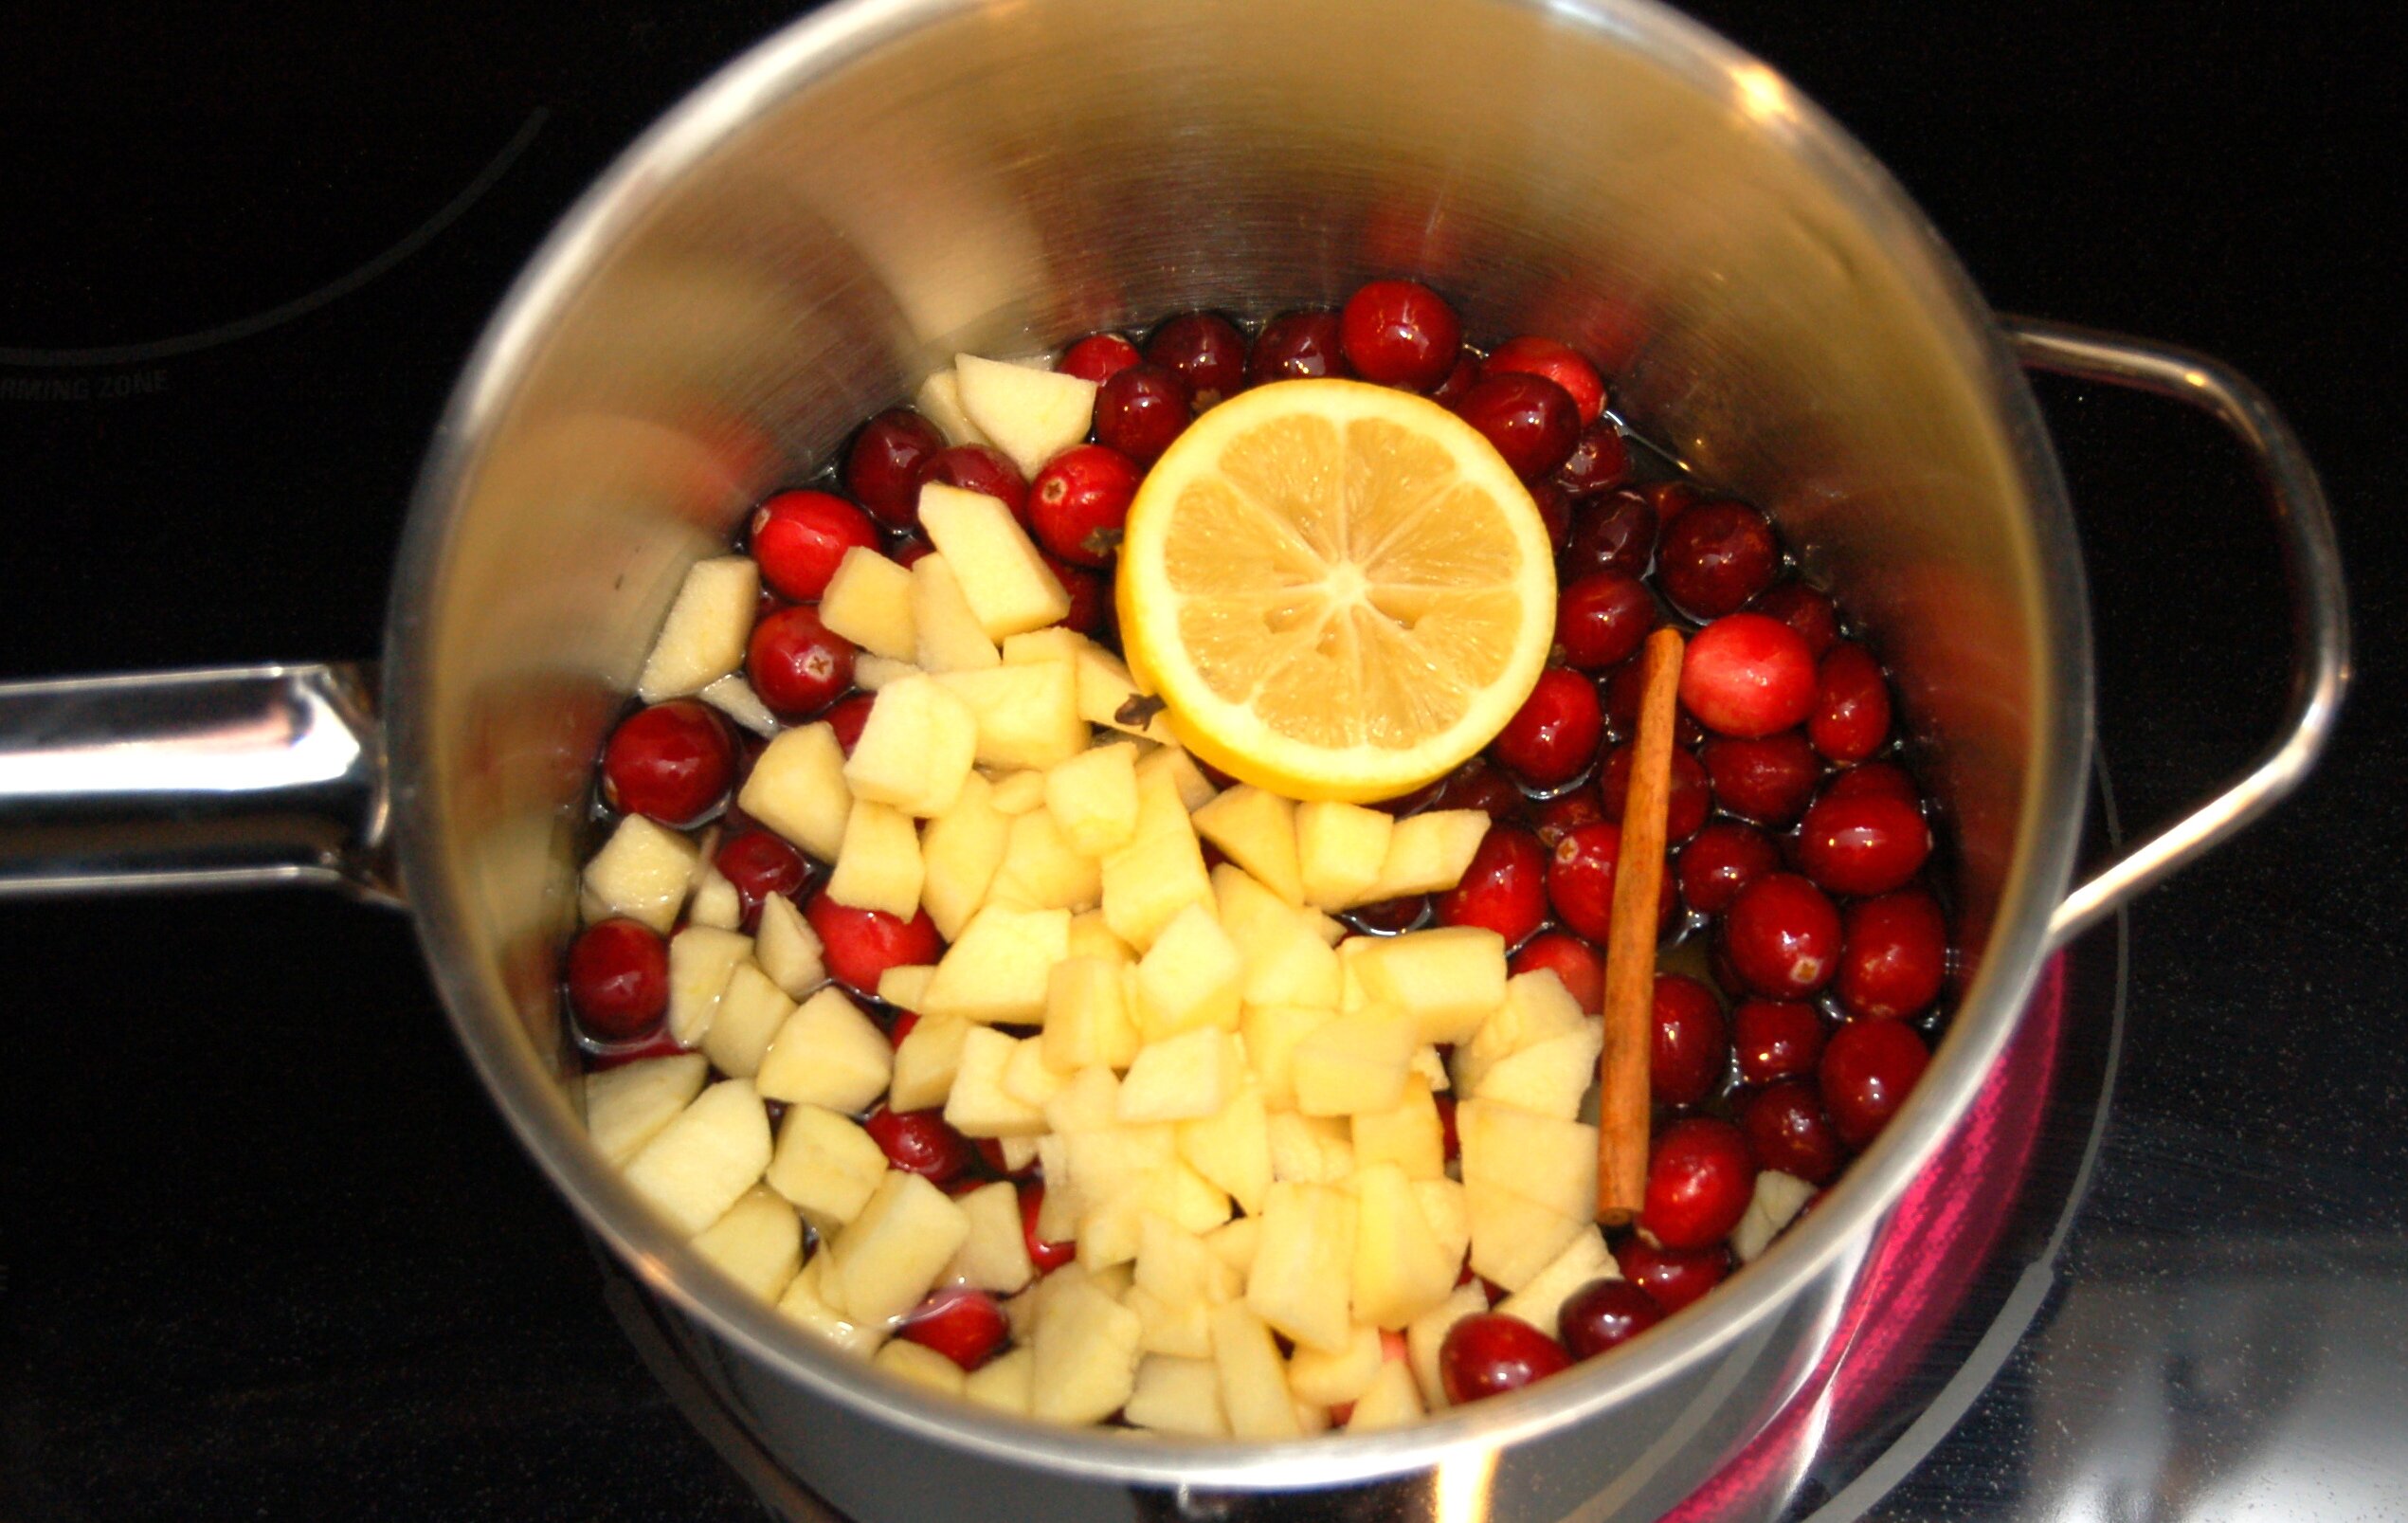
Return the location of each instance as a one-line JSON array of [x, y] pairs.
[[1338, 591]]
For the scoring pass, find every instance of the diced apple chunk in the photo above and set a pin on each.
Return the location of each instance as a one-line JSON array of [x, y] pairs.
[[787, 949], [1583, 1260], [757, 1243], [1446, 981], [734, 697], [999, 968], [1093, 797], [1450, 1219], [1327, 1378], [750, 1011], [1032, 415], [877, 866], [1272, 1033], [1310, 1149], [1399, 1269], [905, 985], [1107, 695], [1027, 1080], [1091, 937], [1428, 853], [1548, 1079], [1428, 1331], [1085, 1356], [1041, 869], [979, 1105], [713, 1151], [716, 902], [1777, 1202], [995, 1255], [798, 789], [1004, 1384], [939, 399], [1536, 1007], [1340, 849], [1233, 1243], [702, 960], [948, 636], [1232, 1148], [1392, 1401], [703, 637], [828, 1053], [920, 1366], [1183, 1077], [871, 673], [1160, 872], [1513, 1238], [806, 1304], [1254, 1383], [1256, 829], [1355, 1063], [913, 753], [886, 1259], [1175, 1265], [1409, 1137], [825, 1164], [1025, 716], [869, 602], [626, 1107], [1176, 1395], [1551, 1162], [1304, 1266], [1003, 579], [1017, 793], [925, 1061], [1191, 977], [959, 853], [643, 872], [1187, 779], [1087, 1019]]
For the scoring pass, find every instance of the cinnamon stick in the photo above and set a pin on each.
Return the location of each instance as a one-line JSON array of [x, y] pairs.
[[1630, 943]]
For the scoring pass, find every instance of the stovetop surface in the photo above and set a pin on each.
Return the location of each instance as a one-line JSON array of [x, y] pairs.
[[267, 1251]]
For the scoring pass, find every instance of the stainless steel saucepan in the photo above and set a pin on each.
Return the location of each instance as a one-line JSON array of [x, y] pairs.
[[891, 181]]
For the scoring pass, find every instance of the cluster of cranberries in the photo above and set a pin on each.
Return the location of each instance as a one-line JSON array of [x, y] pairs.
[[1797, 847]]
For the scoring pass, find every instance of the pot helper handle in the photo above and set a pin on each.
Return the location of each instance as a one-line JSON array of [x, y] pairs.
[[221, 777], [2311, 564]]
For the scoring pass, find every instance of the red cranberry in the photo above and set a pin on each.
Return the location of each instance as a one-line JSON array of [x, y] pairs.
[[1620, 698], [978, 468], [1862, 845], [847, 717], [1489, 1353], [672, 762], [1099, 357], [860, 945], [759, 863], [1671, 1278], [801, 538], [1560, 363], [1566, 812], [1806, 610], [960, 1322], [1599, 463], [1852, 705], [1203, 349], [1400, 332], [1776, 1039], [1531, 421], [909, 551], [918, 1142], [796, 663], [1870, 778], [1746, 674], [1505, 887], [1610, 534], [1475, 785], [1767, 779], [1458, 380], [1893, 956], [1554, 507], [1720, 861], [1580, 880], [905, 1023], [882, 467], [1141, 410], [1867, 1072], [1388, 918], [1606, 1313], [1602, 619], [1671, 499], [1415, 802], [1716, 557], [1080, 500], [1782, 936], [619, 978], [1787, 1131], [1570, 959], [1689, 1055], [1685, 811], [1295, 346], [1700, 1178], [1045, 1253], [1554, 733], [1090, 596], [1450, 1141]]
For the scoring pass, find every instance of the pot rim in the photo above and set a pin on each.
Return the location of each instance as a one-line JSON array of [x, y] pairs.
[[550, 1129]]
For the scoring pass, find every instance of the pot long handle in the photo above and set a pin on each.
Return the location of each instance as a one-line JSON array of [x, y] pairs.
[[221, 777], [2311, 564]]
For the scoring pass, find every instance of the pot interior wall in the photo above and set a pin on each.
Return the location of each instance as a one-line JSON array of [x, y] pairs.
[[1000, 177]]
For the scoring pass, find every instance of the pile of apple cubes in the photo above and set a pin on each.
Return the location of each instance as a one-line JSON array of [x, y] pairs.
[[1231, 1097]]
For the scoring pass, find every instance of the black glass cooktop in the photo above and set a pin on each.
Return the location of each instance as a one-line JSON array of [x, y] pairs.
[[265, 1251]]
